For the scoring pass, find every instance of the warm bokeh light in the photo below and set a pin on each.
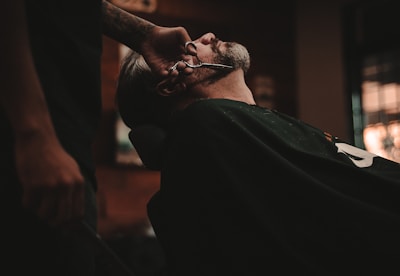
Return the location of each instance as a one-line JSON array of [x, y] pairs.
[[383, 140], [381, 107]]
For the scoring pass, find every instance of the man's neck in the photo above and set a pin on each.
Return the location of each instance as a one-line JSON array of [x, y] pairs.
[[232, 86]]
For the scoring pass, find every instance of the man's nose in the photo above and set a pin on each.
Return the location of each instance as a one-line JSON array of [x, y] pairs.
[[206, 38]]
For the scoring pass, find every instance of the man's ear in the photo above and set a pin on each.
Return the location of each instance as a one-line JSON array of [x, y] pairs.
[[169, 88]]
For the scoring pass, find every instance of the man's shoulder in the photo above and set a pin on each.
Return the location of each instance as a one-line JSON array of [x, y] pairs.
[[213, 109], [213, 104], [205, 110]]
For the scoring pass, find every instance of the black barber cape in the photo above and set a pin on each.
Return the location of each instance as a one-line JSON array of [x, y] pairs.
[[250, 191]]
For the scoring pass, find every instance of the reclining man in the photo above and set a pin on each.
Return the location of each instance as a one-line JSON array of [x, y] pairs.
[[249, 191]]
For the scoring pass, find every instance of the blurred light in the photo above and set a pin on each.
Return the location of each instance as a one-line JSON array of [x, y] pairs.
[[383, 140]]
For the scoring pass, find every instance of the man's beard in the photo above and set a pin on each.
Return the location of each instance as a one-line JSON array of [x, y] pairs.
[[235, 55]]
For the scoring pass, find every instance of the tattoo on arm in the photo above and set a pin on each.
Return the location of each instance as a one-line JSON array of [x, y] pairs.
[[123, 26]]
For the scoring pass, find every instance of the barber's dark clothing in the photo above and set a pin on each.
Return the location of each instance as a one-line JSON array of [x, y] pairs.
[[66, 39], [250, 191]]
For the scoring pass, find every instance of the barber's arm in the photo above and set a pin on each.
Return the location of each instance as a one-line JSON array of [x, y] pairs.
[[51, 182], [161, 46]]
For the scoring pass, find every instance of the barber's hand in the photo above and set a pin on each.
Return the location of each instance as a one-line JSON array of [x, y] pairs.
[[52, 185], [165, 46]]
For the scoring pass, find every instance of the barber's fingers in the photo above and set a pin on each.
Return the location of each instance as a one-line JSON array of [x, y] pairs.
[[61, 206], [176, 74], [179, 68], [171, 86], [190, 48], [187, 71]]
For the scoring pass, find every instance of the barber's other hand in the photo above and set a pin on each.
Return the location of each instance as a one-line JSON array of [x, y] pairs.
[[164, 46], [52, 185]]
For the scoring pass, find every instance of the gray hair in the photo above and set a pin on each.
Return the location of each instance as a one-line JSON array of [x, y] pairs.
[[136, 96]]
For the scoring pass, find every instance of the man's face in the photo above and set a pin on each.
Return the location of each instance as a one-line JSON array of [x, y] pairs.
[[212, 50], [215, 59]]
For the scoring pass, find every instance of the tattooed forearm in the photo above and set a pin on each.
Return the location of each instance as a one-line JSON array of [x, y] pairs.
[[124, 27]]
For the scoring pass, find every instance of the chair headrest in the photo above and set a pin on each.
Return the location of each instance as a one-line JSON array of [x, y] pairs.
[[148, 141]]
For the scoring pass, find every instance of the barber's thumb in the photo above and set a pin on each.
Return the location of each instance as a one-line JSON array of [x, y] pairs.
[[169, 87]]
